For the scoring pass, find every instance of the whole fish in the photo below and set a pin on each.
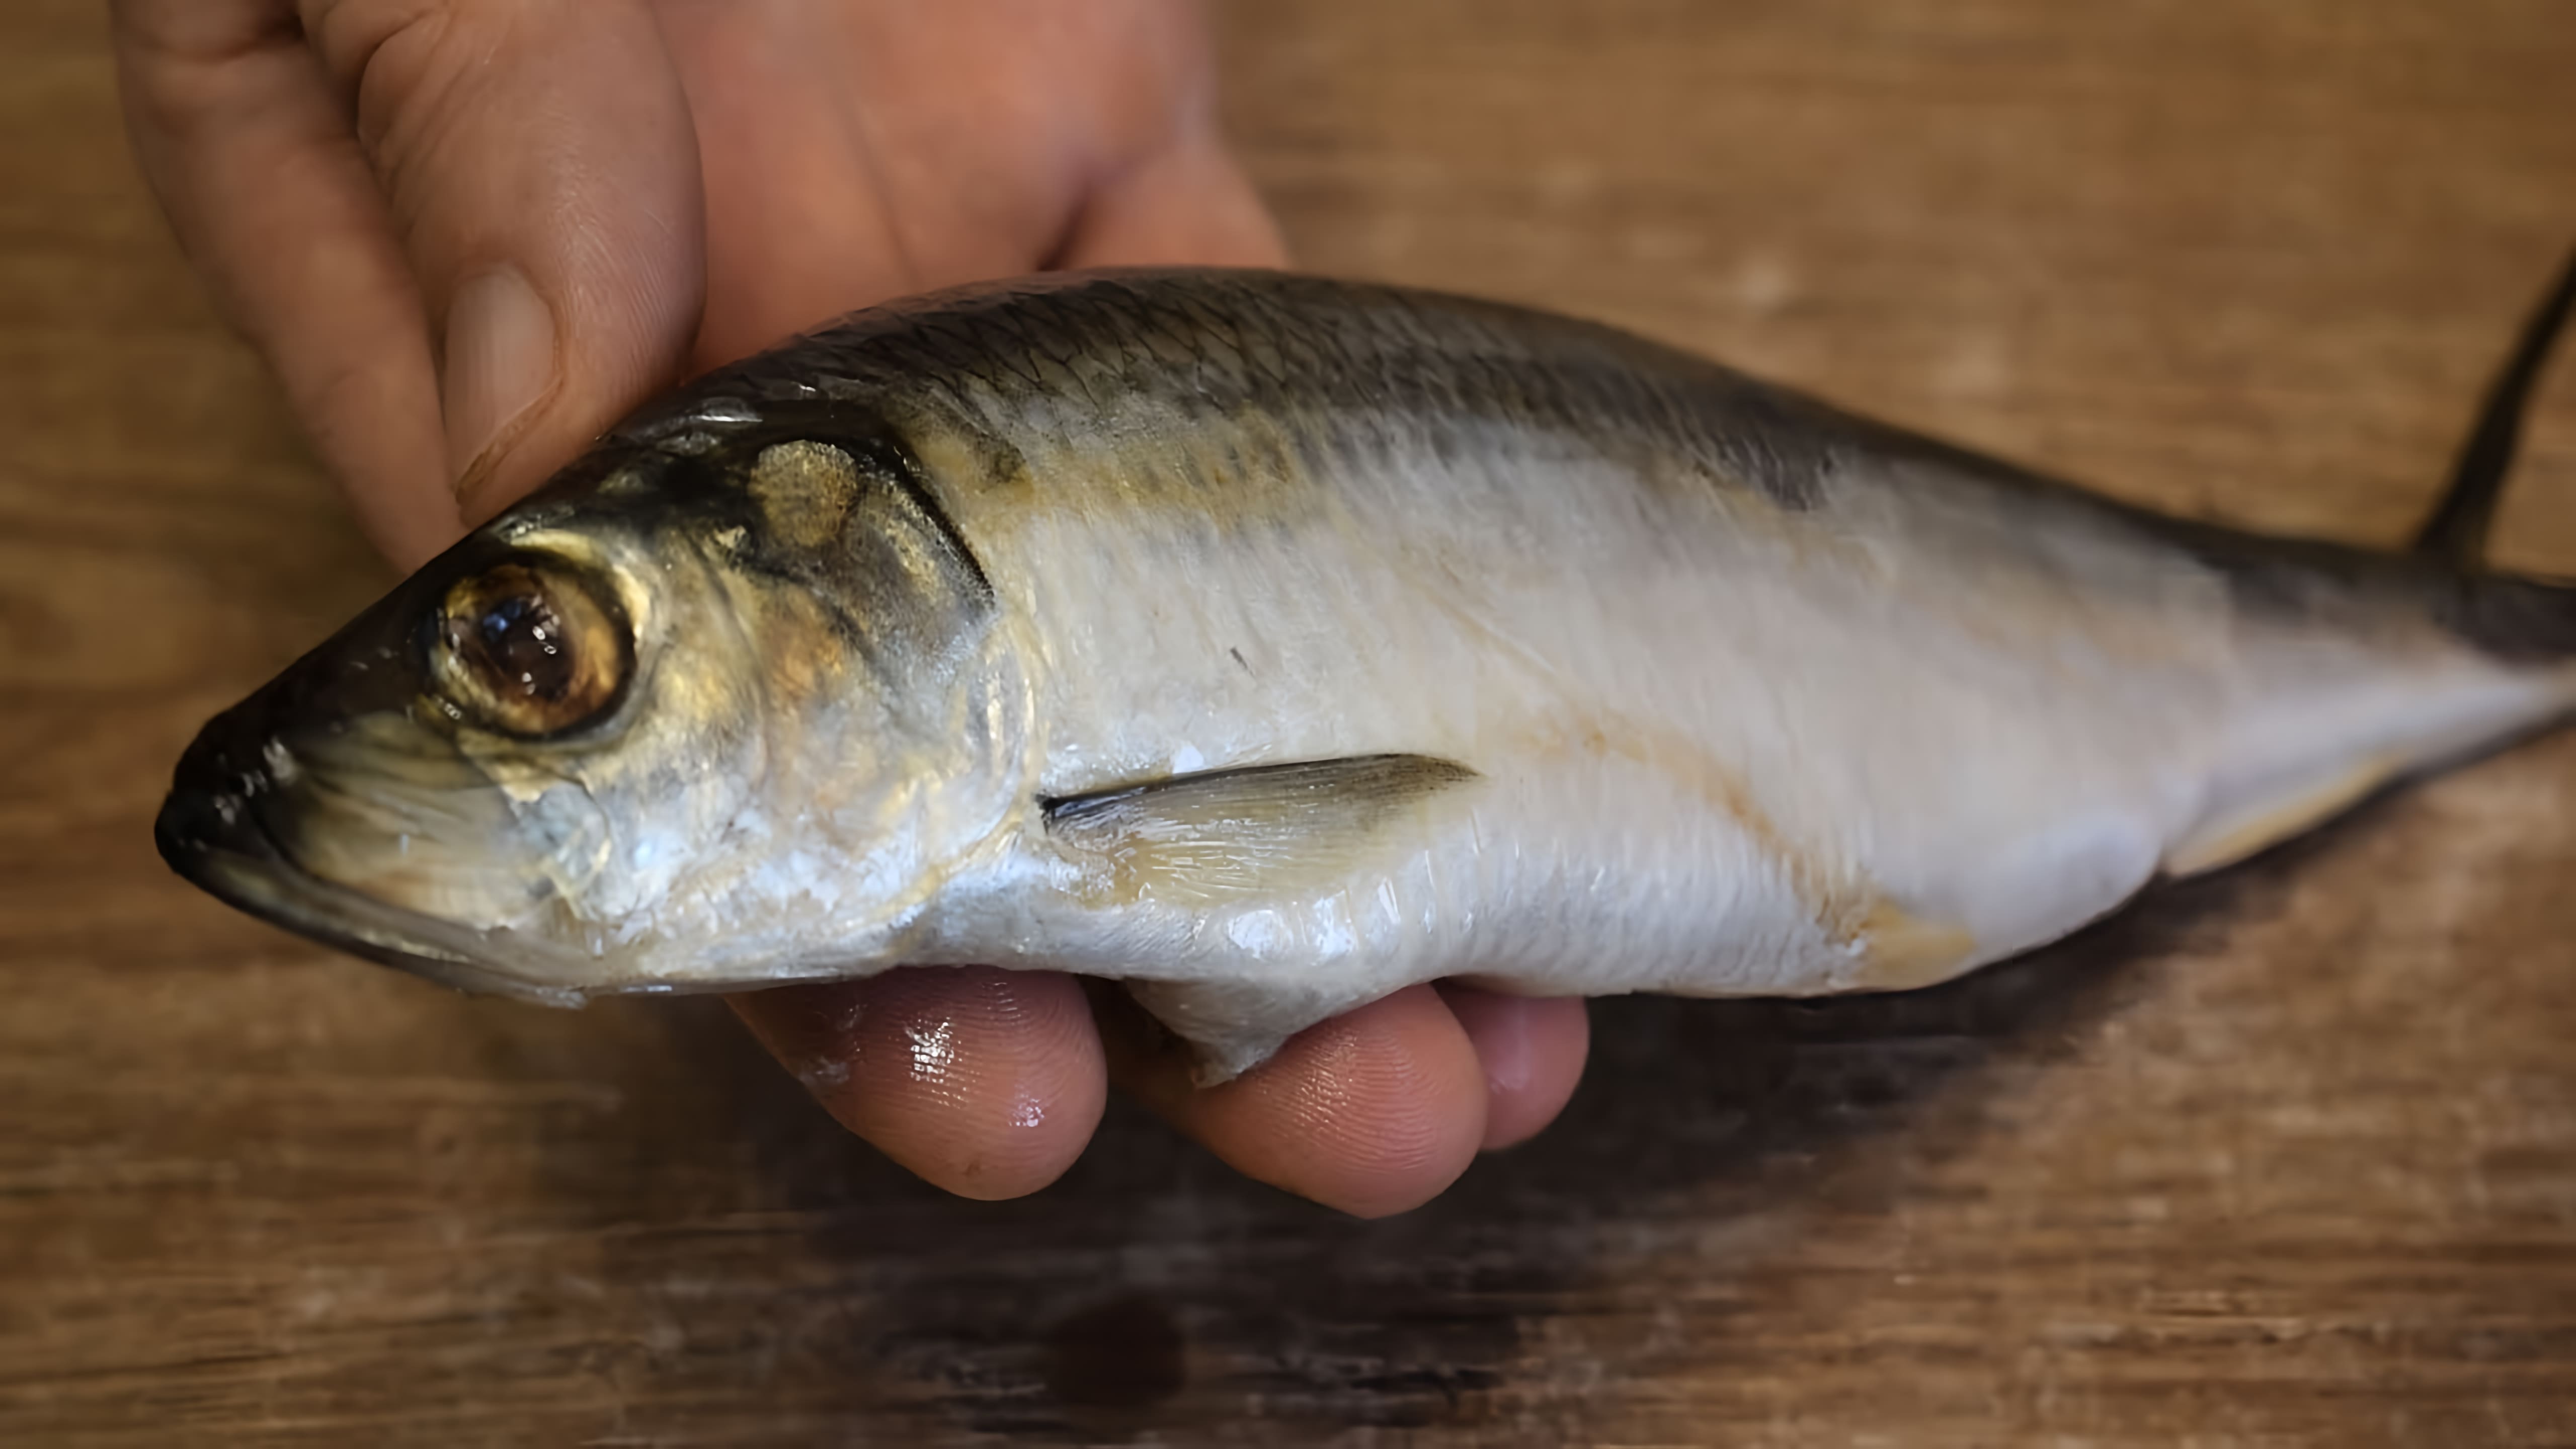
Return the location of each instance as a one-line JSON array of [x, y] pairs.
[[1271, 643]]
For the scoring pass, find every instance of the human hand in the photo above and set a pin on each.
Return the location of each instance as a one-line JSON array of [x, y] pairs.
[[468, 235]]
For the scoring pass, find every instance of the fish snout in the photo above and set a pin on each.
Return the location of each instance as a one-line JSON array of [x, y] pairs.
[[209, 808]]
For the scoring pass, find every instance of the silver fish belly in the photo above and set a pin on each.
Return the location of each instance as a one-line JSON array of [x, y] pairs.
[[1271, 643]]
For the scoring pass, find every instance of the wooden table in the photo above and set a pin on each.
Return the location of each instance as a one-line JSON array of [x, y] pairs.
[[2287, 1157]]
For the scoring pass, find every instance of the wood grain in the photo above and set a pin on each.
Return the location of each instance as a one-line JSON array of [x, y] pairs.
[[2287, 1157]]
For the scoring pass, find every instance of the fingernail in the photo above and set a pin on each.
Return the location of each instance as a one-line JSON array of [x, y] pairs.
[[500, 364], [1504, 1049]]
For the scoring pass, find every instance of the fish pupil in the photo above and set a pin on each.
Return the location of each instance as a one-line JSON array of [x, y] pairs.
[[521, 637], [527, 651]]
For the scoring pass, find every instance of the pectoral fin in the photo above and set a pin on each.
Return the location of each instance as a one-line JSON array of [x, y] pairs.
[[1227, 835]]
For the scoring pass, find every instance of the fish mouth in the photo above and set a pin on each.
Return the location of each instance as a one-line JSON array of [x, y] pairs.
[[213, 836]]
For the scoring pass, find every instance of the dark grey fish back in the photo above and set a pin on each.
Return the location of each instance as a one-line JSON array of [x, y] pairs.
[[1327, 353], [1357, 363]]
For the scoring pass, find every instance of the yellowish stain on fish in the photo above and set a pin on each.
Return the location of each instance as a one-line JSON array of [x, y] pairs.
[[1837, 896], [1900, 951], [1896, 949], [2236, 837]]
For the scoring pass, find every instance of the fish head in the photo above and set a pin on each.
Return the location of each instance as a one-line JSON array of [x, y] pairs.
[[681, 721]]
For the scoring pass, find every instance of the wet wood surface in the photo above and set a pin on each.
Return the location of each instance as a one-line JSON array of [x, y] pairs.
[[2285, 1157]]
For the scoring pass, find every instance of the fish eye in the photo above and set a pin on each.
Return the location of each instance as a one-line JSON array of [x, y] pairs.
[[529, 649]]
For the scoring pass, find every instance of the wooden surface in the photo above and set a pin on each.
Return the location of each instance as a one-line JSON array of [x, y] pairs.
[[2287, 1157]]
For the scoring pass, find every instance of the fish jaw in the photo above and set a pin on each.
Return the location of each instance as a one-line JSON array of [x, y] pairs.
[[230, 823], [210, 833]]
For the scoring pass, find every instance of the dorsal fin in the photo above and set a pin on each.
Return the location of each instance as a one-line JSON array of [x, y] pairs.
[[2457, 531]]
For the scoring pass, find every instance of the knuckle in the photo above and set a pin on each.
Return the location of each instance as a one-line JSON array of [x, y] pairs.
[[403, 69], [195, 31], [349, 34]]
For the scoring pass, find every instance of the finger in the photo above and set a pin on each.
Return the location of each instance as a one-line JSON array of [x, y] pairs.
[[539, 166], [1187, 204], [252, 159], [859, 152], [1532, 1050], [1169, 192], [1374, 1112], [984, 1082], [800, 226]]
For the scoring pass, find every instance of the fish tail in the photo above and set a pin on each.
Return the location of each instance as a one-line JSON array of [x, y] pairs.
[[2456, 531], [2376, 736], [2522, 619]]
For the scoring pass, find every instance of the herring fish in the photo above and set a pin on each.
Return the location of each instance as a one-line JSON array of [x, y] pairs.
[[1269, 643]]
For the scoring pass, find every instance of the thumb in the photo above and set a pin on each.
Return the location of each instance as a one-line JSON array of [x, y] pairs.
[[540, 168]]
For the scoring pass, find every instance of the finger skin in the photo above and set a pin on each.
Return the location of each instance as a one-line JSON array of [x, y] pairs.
[[1187, 204], [1374, 1112], [234, 124], [856, 152], [1532, 1050], [987, 1083], [548, 141], [800, 226]]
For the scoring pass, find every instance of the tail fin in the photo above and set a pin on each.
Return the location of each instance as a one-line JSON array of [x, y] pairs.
[[2456, 533], [2356, 729]]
